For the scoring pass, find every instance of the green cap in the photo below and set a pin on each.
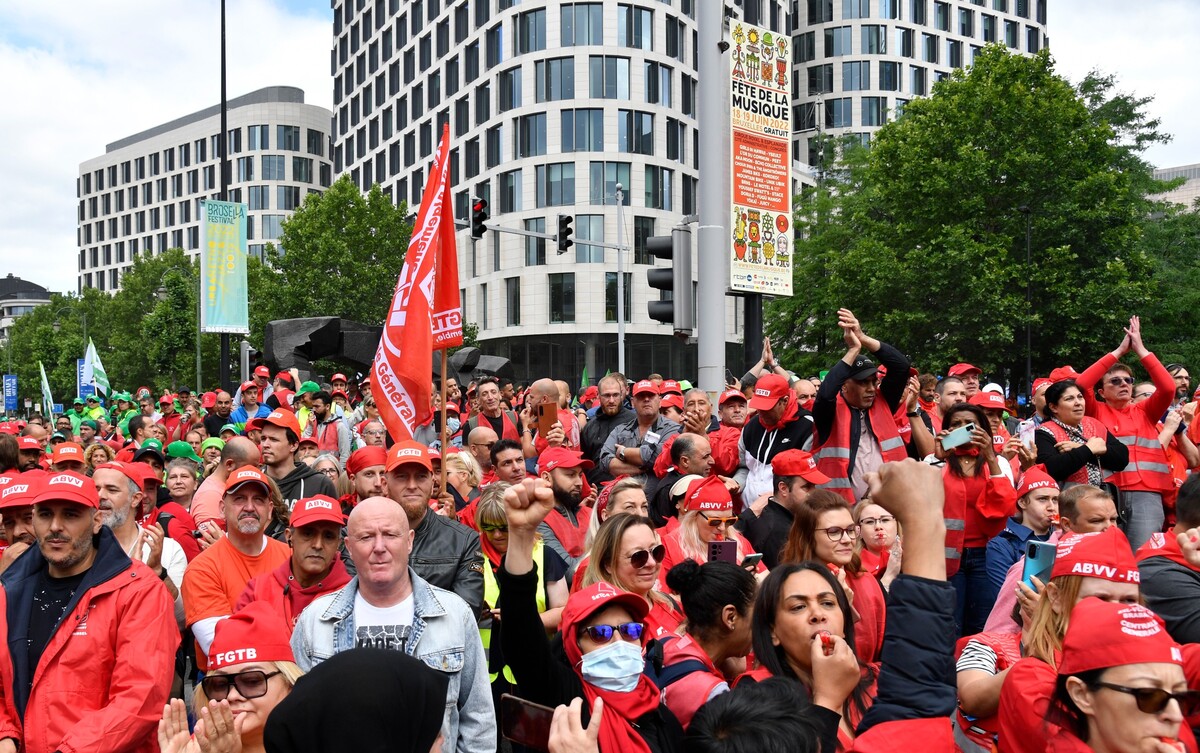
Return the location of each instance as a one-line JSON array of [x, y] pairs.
[[78, 401], [212, 442], [228, 427], [89, 422], [152, 444], [306, 387], [685, 385], [181, 449]]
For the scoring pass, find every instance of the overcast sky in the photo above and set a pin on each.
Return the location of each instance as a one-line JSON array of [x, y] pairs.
[[78, 75]]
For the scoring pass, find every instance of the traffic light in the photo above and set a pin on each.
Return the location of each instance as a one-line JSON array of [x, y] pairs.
[[247, 359], [565, 232], [479, 216], [677, 279]]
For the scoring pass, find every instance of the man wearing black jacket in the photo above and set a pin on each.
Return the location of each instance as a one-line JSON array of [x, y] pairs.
[[612, 413]]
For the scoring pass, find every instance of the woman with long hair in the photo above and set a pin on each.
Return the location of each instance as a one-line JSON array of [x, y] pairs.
[[1076, 449], [628, 554], [823, 531], [462, 478], [706, 515]]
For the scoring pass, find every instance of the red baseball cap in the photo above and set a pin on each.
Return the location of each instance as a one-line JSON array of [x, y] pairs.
[[591, 393], [262, 371], [587, 601], [1040, 383], [340, 392], [707, 495], [256, 633], [1035, 478], [561, 457], [798, 463], [365, 457], [988, 400], [167, 398], [28, 443], [145, 474], [284, 419], [255, 424], [317, 509], [135, 472], [767, 391], [67, 487], [1104, 555], [208, 400], [249, 386], [10, 428], [643, 387], [1063, 373], [22, 490], [66, 451], [247, 474], [338, 377], [1102, 634], [409, 451], [673, 400], [730, 394], [284, 376], [959, 369], [308, 440], [670, 387]]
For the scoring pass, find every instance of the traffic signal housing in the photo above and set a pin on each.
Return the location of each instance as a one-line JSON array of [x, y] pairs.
[[565, 232], [680, 311], [479, 216]]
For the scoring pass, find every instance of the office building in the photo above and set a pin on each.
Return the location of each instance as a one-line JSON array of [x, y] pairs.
[[17, 298], [1186, 194], [144, 195]]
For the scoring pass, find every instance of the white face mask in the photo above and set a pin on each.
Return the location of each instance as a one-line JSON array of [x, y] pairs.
[[452, 424], [616, 667]]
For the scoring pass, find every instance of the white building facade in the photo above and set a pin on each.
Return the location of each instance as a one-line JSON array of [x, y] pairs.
[[144, 195]]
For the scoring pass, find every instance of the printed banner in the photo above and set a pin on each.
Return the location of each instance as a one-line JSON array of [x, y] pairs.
[[10, 393], [760, 260], [83, 378], [223, 269]]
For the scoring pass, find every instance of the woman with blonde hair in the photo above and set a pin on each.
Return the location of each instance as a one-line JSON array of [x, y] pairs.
[[706, 515], [97, 454], [462, 478], [628, 554]]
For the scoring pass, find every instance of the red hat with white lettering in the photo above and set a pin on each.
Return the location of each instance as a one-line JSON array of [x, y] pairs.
[[670, 387], [316, 509], [672, 401], [561, 457], [707, 495], [262, 371], [1039, 384], [256, 633], [1063, 373], [339, 377], [988, 400], [1104, 555], [10, 428], [1035, 478], [1102, 634], [249, 386], [728, 395], [22, 489], [67, 451], [68, 487], [28, 443], [408, 451], [768, 390], [643, 387], [284, 419], [960, 369], [798, 463], [247, 474]]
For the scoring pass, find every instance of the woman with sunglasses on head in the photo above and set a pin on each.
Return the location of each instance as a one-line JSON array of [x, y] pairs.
[[624, 495], [1075, 448], [237, 695], [823, 531], [706, 515], [599, 650]]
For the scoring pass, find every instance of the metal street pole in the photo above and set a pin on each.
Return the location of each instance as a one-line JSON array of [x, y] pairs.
[[714, 145], [1024, 209], [620, 279], [224, 363]]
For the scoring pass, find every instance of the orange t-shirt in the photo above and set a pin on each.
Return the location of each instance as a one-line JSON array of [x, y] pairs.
[[214, 580]]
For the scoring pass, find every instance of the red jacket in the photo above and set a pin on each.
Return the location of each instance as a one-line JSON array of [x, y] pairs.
[[105, 674], [687, 694], [725, 454], [975, 511], [278, 589]]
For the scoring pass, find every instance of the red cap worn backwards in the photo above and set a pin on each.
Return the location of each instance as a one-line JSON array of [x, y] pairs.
[[767, 391], [561, 457], [67, 487], [1104, 555], [255, 634], [798, 463], [316, 509], [1035, 478], [409, 451], [1103, 634], [707, 495], [988, 400]]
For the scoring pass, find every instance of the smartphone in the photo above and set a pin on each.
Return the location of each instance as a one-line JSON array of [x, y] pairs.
[[1039, 561], [547, 416], [1025, 431], [752, 560], [730, 380], [958, 437], [722, 551], [525, 723]]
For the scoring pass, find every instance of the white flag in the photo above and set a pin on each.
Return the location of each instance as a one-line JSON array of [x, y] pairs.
[[93, 370]]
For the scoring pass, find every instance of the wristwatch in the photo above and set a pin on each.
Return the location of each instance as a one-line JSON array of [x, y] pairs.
[[162, 573]]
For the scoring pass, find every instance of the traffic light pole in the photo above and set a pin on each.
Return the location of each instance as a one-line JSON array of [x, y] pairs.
[[712, 264], [620, 281]]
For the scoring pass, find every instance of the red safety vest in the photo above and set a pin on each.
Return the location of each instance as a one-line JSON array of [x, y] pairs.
[[1090, 428], [327, 441], [1148, 468], [508, 425], [833, 456]]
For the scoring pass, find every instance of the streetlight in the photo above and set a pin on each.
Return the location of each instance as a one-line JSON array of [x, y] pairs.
[[82, 317], [1025, 210]]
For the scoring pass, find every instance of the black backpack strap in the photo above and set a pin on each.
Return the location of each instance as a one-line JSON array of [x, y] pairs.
[[676, 672]]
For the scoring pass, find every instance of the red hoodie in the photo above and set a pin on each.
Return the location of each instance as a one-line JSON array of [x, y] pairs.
[[279, 588]]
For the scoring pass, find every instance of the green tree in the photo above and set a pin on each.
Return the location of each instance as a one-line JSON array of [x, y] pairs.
[[1172, 240], [923, 235]]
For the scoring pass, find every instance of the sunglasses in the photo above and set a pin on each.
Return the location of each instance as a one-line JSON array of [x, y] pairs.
[[641, 557], [1154, 700], [1115, 381], [250, 684], [630, 631], [492, 528], [836, 533], [718, 522]]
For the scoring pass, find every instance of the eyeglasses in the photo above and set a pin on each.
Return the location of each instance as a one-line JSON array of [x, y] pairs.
[[1141, 395], [493, 528], [1154, 700], [330, 472], [374, 432], [719, 522], [630, 631], [1117, 381], [837, 532], [882, 520], [641, 557], [251, 684]]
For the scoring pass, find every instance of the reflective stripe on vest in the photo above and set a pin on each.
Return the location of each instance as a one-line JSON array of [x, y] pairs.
[[953, 524], [833, 452], [833, 456], [1131, 440], [895, 443], [1148, 467], [952, 553], [491, 596]]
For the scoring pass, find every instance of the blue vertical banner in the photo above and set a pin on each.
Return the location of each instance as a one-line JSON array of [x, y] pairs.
[[10, 393], [224, 306], [83, 380]]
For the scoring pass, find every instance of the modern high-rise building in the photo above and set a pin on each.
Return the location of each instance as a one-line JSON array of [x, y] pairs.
[[144, 195], [1188, 193], [17, 298]]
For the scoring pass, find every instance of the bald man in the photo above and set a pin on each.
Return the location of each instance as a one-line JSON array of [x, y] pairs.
[[479, 444], [389, 606], [545, 392], [206, 502]]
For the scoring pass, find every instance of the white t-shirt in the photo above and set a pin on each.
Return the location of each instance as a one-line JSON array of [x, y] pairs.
[[382, 627], [174, 561]]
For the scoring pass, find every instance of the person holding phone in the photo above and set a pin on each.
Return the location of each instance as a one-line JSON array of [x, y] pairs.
[[707, 516], [1037, 515]]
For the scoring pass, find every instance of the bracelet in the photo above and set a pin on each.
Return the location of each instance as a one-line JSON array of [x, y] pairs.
[[162, 574], [914, 414]]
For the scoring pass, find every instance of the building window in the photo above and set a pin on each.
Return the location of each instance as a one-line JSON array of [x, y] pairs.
[[929, 43], [635, 27], [258, 137], [989, 28], [302, 169], [643, 228], [482, 317], [1033, 40], [245, 166], [272, 167], [259, 197], [554, 79], [904, 42], [535, 248], [510, 89], [272, 226], [874, 40], [510, 191], [1011, 29], [562, 298], [589, 227], [288, 198], [966, 22], [954, 53], [838, 41], [658, 84], [493, 146], [919, 83], [556, 184], [608, 77], [941, 15], [610, 297], [494, 47], [583, 130], [856, 76], [837, 113], [603, 180], [804, 48], [658, 187], [874, 111], [820, 11], [856, 9], [531, 32], [820, 78], [530, 136], [582, 24], [918, 11], [512, 299], [676, 140], [635, 132], [676, 36]]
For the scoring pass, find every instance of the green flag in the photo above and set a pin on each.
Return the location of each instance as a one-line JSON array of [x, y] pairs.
[[47, 398], [583, 383], [99, 375]]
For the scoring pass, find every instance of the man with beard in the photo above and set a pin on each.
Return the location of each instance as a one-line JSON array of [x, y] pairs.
[[279, 441], [220, 414], [366, 469], [119, 490], [315, 535], [564, 528], [87, 432], [505, 423], [16, 513], [85, 654], [445, 553], [632, 447], [215, 579], [328, 429], [29, 453], [612, 413], [731, 410]]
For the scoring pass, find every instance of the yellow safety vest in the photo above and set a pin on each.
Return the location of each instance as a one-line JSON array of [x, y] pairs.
[[491, 595]]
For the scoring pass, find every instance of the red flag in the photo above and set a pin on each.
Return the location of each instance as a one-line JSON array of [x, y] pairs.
[[426, 313]]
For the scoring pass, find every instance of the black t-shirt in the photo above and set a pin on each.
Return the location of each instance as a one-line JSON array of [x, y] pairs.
[[50, 599], [496, 423]]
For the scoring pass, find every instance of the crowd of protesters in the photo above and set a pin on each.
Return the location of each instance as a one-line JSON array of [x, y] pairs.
[[878, 559]]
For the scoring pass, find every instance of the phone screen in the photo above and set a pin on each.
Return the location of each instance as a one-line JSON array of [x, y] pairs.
[[958, 437], [526, 723]]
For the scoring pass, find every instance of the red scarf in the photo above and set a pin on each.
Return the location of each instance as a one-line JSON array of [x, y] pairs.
[[489, 550], [616, 733], [791, 413], [570, 536]]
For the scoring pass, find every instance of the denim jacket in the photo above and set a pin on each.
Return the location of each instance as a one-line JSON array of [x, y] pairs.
[[444, 636]]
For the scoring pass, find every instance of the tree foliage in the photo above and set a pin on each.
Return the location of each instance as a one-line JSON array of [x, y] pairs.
[[923, 234]]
